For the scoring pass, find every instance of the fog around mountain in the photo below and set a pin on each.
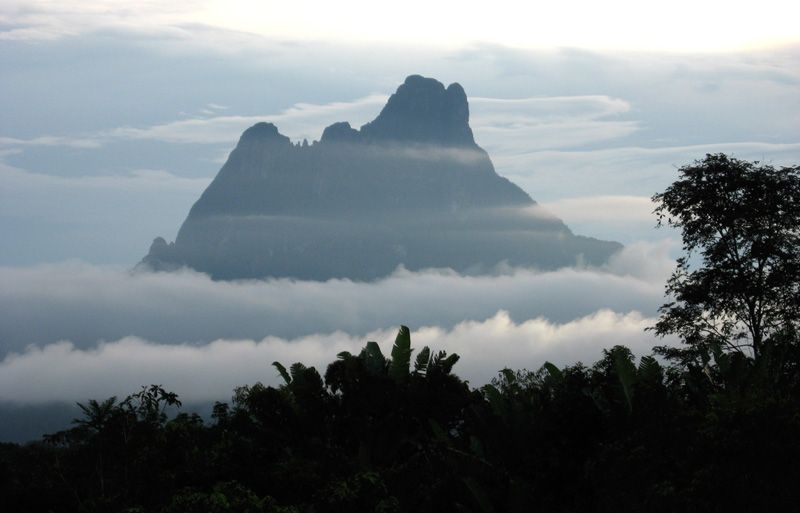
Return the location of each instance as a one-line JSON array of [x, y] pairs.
[[410, 188]]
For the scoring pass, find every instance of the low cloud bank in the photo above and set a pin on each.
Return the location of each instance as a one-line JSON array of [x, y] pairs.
[[86, 304], [74, 331], [63, 372]]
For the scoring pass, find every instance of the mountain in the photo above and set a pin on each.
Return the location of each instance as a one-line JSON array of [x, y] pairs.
[[409, 188]]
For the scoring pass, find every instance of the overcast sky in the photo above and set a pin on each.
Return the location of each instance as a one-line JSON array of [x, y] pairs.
[[116, 115]]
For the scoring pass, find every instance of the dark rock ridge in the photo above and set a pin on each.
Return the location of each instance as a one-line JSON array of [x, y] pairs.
[[409, 188]]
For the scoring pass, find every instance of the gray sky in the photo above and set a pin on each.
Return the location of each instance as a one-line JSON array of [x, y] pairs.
[[116, 115]]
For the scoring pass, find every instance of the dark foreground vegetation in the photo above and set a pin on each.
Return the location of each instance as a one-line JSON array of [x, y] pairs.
[[710, 425], [378, 435]]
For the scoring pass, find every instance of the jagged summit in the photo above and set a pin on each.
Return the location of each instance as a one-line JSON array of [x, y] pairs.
[[409, 188], [423, 111], [263, 135], [340, 132], [263, 132]]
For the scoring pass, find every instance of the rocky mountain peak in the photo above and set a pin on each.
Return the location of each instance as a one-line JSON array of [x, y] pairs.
[[263, 133], [340, 132], [362, 203], [423, 110]]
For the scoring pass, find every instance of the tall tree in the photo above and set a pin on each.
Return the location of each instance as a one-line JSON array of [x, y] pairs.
[[739, 284]]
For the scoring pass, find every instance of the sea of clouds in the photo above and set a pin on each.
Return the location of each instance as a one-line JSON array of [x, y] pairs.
[[71, 331]]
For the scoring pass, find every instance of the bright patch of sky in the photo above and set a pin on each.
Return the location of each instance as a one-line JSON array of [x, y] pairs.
[[679, 25]]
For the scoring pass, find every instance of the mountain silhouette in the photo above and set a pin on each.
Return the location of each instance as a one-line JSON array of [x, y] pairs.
[[409, 188]]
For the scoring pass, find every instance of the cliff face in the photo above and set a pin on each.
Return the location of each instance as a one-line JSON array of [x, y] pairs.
[[409, 188]]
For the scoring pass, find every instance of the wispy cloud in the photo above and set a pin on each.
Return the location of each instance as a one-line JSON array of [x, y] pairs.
[[302, 120], [85, 199], [510, 127], [625, 218], [43, 20], [623, 170], [604, 208], [503, 126], [50, 140], [15, 181]]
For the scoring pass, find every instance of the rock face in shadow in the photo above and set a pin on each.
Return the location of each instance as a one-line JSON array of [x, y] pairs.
[[409, 188]]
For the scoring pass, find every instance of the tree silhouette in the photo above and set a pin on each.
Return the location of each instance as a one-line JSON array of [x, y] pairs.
[[96, 414], [742, 221]]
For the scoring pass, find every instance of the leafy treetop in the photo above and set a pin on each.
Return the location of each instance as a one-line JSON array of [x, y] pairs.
[[742, 220]]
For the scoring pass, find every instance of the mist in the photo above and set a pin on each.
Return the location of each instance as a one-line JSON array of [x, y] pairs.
[[85, 304], [63, 372]]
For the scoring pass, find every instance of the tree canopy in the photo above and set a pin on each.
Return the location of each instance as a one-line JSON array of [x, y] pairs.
[[738, 287]]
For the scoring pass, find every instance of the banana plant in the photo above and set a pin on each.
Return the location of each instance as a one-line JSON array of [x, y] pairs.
[[401, 356]]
